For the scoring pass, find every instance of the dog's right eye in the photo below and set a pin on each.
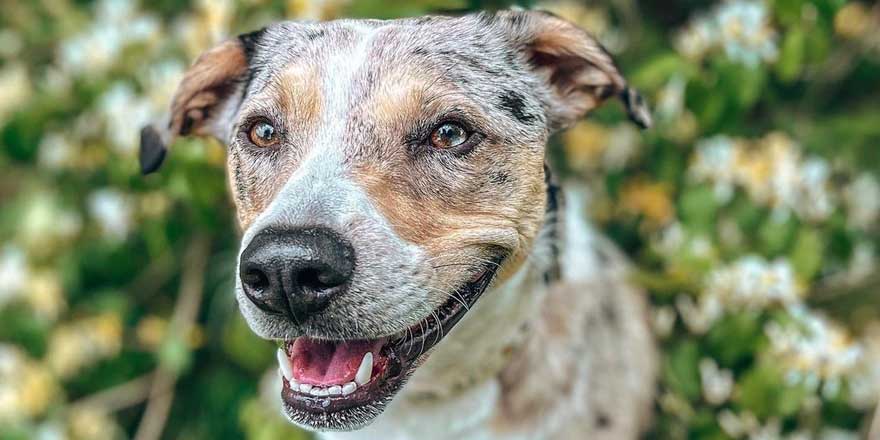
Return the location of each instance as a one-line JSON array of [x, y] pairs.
[[263, 134]]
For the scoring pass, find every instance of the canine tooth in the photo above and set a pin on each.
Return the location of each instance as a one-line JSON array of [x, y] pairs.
[[365, 370], [335, 390], [305, 388], [349, 388], [284, 364]]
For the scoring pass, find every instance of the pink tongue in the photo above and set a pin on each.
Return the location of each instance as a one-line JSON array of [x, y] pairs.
[[318, 362]]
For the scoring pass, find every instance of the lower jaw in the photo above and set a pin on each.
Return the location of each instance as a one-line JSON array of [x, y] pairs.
[[398, 360]]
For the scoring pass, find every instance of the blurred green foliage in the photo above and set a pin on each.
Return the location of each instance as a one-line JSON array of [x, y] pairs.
[[750, 211]]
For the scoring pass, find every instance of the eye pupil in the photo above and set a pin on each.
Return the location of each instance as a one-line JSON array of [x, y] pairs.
[[263, 134], [449, 135]]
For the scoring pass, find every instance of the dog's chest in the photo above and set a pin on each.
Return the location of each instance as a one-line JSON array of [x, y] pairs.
[[466, 417]]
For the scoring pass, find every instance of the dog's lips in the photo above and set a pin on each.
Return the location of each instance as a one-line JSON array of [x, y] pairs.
[[325, 376]]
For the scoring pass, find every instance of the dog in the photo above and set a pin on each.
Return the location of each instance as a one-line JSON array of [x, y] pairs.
[[403, 239]]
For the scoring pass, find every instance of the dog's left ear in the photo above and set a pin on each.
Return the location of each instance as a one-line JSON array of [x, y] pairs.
[[580, 72], [204, 101]]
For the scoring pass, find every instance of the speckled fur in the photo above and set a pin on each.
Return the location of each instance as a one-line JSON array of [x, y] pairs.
[[352, 101]]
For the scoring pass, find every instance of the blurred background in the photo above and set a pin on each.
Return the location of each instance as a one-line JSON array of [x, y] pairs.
[[751, 212]]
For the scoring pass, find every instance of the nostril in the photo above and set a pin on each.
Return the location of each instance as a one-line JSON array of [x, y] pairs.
[[255, 278], [318, 280]]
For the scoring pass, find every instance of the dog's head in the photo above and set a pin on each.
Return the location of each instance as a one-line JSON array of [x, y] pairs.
[[384, 174]]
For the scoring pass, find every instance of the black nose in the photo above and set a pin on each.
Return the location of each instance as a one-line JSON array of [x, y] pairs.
[[296, 272]]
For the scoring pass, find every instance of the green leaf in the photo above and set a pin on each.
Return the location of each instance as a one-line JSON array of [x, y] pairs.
[[681, 370], [791, 57], [807, 253]]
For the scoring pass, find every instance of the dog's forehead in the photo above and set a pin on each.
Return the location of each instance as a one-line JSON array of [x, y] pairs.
[[469, 53]]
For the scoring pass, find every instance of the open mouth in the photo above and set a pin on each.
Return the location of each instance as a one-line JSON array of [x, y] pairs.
[[335, 384]]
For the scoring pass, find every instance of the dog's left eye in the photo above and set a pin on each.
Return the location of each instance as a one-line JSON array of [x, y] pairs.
[[263, 134], [449, 135]]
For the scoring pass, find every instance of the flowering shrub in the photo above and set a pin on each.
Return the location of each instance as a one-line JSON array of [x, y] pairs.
[[750, 211]]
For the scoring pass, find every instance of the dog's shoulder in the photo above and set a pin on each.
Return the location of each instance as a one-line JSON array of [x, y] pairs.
[[589, 363]]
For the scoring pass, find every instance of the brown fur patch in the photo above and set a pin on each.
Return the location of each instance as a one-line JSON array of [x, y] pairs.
[[208, 82]]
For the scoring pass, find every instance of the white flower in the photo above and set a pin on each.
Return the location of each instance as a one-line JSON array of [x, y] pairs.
[[862, 198], [15, 88], [737, 425], [663, 320], [14, 273], [772, 172], [745, 32], [56, 151], [115, 27], [124, 113], [697, 38], [113, 211], [715, 161], [814, 345], [753, 283], [742, 29], [717, 383]]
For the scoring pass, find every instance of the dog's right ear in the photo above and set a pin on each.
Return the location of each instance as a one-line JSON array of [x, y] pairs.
[[580, 73], [205, 100]]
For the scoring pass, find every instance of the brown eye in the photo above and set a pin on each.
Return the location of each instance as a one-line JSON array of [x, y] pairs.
[[263, 134], [449, 135]]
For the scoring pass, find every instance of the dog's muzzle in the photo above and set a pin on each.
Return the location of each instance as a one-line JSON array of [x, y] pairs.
[[296, 272]]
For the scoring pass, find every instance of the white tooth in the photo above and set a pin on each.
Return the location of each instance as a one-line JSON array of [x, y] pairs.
[[349, 388], [319, 392], [284, 364], [365, 370], [335, 390], [305, 388]]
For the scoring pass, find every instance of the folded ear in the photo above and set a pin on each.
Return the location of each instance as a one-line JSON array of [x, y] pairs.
[[205, 100], [580, 73]]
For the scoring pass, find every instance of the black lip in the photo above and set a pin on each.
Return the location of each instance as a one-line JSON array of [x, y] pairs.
[[402, 354]]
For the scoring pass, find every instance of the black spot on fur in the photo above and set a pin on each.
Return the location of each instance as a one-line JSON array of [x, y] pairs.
[[420, 51], [250, 41], [609, 312], [603, 421], [515, 104], [499, 177], [313, 35], [486, 18]]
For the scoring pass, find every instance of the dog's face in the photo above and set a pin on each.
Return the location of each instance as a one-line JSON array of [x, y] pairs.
[[384, 174]]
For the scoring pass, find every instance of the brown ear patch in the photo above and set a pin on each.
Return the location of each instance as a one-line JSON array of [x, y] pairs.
[[580, 73], [210, 80]]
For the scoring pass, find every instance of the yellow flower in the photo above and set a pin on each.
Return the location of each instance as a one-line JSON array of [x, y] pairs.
[[82, 343], [585, 145], [91, 423], [852, 20], [26, 387], [650, 199], [594, 20], [15, 88], [45, 295], [315, 9], [151, 330]]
